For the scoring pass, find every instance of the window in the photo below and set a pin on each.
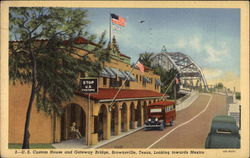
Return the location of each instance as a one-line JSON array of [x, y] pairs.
[[144, 82], [96, 123], [127, 83], [137, 78], [104, 81], [112, 82], [82, 74], [140, 78], [120, 82]]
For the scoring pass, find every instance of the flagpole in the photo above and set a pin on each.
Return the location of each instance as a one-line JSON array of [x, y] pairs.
[[167, 88], [113, 100], [110, 21]]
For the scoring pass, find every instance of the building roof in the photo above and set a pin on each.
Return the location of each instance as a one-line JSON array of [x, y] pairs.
[[124, 55], [81, 40], [109, 93], [162, 103]]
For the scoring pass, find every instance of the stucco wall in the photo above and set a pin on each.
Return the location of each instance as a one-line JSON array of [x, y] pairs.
[[40, 123]]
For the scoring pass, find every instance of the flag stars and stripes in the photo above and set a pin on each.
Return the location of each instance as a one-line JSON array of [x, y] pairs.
[[140, 66], [118, 20]]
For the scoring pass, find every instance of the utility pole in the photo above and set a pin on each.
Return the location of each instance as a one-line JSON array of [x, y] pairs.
[[175, 92], [240, 117]]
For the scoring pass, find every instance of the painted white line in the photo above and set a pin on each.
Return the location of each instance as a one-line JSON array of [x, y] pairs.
[[183, 123]]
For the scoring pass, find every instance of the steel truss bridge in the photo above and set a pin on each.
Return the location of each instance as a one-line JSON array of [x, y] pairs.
[[191, 75]]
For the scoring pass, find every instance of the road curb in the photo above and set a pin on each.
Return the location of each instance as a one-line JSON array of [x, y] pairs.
[[187, 102], [116, 138]]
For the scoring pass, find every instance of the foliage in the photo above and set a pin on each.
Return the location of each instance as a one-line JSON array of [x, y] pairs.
[[52, 66], [220, 85], [165, 76], [146, 59], [32, 146], [238, 95], [57, 62]]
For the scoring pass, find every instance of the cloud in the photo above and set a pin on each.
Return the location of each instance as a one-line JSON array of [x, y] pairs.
[[195, 43], [228, 78], [212, 73], [216, 54], [181, 43]]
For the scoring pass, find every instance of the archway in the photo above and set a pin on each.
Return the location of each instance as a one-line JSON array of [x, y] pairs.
[[73, 113], [124, 117], [139, 114], [114, 119], [132, 116], [145, 114], [102, 123]]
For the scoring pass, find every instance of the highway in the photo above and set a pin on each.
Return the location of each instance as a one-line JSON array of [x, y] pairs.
[[189, 131]]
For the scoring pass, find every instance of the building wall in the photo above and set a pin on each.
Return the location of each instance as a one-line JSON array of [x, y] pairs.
[[47, 129], [40, 123], [133, 84]]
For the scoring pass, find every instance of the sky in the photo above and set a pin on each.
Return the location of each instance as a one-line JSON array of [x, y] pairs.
[[211, 37]]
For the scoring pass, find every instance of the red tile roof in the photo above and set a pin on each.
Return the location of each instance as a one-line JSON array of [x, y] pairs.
[[124, 55], [104, 93], [81, 40], [164, 103]]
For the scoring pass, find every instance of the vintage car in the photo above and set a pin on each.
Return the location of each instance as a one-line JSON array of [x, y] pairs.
[[224, 133], [159, 114]]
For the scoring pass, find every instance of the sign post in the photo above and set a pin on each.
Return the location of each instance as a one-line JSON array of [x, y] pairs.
[[89, 85]]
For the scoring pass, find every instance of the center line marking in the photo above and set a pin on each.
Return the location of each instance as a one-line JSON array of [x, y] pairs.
[[184, 122]]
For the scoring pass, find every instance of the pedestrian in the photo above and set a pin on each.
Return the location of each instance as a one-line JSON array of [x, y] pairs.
[[75, 130]]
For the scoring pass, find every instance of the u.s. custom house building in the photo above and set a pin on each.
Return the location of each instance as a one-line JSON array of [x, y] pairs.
[[93, 114]]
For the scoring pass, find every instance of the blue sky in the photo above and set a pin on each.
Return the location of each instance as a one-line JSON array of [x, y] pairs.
[[211, 37]]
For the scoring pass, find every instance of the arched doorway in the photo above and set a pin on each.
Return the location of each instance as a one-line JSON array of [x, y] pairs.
[[132, 116], [139, 114], [73, 113], [124, 117], [145, 114], [114, 119], [102, 123]]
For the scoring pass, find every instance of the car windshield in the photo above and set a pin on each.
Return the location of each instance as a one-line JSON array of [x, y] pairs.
[[158, 110], [223, 131]]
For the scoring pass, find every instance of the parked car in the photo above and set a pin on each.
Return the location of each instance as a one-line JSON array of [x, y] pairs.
[[224, 133], [159, 114]]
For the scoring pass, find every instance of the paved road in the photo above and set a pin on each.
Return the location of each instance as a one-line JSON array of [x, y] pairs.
[[189, 131]]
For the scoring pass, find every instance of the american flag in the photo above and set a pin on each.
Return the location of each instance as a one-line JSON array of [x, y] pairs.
[[118, 20], [140, 66]]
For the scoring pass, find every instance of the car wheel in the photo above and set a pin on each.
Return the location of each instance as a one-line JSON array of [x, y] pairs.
[[171, 122], [162, 127]]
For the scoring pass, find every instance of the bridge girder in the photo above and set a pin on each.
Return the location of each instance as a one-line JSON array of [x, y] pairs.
[[185, 66]]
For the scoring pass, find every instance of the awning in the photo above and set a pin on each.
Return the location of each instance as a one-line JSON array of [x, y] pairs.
[[127, 76], [118, 73], [104, 73], [132, 77], [112, 75], [145, 79], [158, 82]]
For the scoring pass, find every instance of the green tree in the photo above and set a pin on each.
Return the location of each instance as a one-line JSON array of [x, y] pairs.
[[166, 76], [220, 85], [146, 59], [52, 66]]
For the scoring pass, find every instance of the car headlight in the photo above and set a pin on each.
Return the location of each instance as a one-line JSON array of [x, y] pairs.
[[156, 119], [149, 119]]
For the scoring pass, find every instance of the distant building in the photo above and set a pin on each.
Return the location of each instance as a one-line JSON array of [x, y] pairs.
[[128, 111]]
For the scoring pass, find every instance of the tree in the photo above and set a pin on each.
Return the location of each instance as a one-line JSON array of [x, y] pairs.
[[146, 59], [220, 85], [52, 66], [166, 76]]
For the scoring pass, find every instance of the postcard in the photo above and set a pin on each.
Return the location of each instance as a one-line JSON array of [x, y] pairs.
[[124, 79]]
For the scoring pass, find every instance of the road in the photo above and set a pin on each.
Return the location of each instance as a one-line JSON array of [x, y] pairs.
[[189, 131]]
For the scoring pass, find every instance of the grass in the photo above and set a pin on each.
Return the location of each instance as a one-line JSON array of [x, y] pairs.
[[32, 146]]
